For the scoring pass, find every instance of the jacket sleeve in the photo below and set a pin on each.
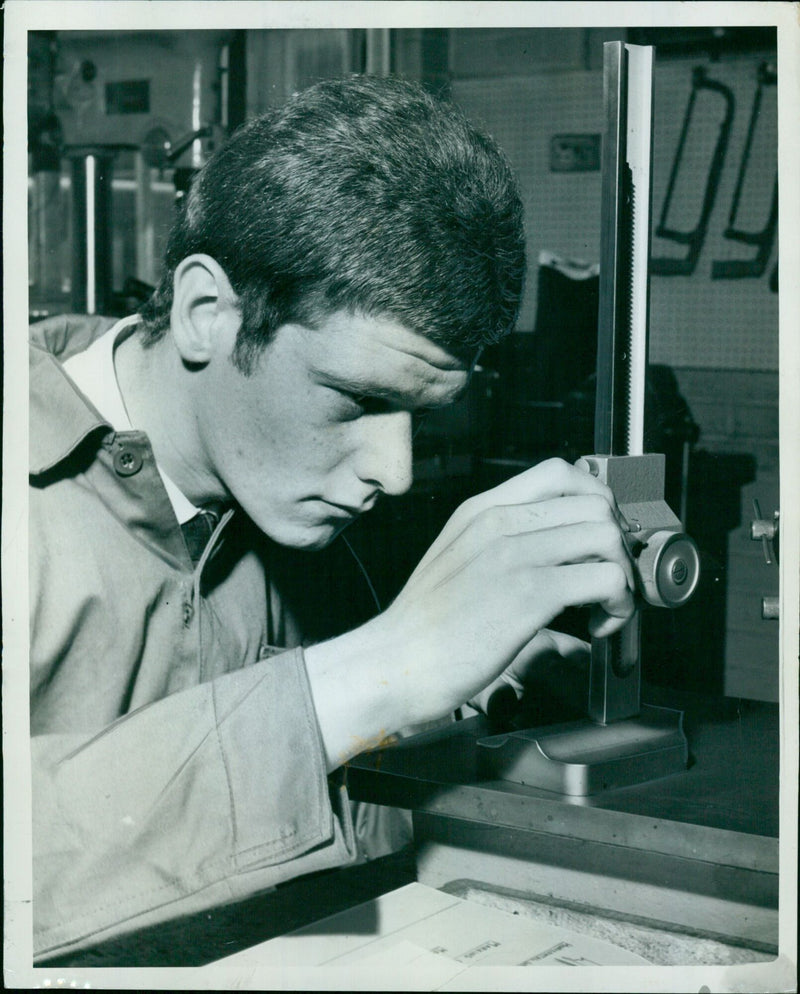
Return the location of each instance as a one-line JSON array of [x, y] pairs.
[[198, 799]]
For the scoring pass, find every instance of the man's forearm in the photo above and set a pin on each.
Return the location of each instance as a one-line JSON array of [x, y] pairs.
[[361, 694]]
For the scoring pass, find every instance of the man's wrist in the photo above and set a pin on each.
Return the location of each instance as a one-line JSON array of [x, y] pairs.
[[360, 692]]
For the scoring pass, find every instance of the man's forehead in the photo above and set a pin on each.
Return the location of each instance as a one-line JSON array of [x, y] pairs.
[[385, 358]]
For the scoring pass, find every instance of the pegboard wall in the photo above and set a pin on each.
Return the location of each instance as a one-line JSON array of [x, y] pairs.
[[695, 320]]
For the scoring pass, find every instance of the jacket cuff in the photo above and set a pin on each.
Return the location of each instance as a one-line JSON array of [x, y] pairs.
[[284, 785]]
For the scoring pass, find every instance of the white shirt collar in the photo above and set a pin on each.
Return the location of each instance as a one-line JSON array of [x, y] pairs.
[[93, 373]]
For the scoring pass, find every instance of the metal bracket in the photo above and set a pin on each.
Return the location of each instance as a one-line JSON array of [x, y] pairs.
[[766, 531], [667, 567]]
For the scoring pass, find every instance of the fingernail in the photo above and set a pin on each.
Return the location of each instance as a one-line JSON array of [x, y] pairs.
[[628, 526]]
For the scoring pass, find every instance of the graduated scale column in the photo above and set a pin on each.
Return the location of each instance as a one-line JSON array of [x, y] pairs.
[[615, 674]]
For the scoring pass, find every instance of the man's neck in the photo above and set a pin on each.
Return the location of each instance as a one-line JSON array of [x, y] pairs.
[[157, 391]]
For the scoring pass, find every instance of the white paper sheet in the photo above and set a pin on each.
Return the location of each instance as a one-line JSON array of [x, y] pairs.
[[407, 925]]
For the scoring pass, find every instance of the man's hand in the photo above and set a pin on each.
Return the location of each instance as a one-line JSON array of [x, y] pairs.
[[508, 562], [547, 681]]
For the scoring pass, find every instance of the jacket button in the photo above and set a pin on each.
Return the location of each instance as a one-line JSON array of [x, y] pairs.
[[127, 461]]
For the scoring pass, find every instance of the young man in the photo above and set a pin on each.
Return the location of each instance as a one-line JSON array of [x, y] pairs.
[[337, 267]]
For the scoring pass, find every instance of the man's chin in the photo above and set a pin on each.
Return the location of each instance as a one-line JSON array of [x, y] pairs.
[[309, 538]]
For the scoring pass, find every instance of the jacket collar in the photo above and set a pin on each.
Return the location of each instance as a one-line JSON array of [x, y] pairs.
[[61, 418]]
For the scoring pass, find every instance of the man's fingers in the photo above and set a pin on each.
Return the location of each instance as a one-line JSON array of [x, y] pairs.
[[481, 525], [598, 583], [511, 519], [514, 564], [548, 479], [587, 542], [545, 647], [602, 624], [567, 645]]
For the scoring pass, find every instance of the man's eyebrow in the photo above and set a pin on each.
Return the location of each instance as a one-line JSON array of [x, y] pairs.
[[355, 385], [361, 386], [447, 362]]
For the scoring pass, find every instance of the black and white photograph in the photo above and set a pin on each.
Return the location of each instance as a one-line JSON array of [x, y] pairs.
[[400, 526]]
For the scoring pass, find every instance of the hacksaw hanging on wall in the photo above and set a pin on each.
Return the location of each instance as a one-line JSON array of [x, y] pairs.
[[762, 238], [694, 237]]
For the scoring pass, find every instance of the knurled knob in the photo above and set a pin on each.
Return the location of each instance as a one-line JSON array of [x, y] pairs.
[[668, 568]]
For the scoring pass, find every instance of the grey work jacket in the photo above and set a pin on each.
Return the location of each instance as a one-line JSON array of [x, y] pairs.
[[177, 761]]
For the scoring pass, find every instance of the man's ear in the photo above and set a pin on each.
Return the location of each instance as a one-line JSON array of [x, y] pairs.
[[205, 318]]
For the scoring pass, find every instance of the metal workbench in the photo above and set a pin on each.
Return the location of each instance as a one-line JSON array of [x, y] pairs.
[[683, 869], [695, 853]]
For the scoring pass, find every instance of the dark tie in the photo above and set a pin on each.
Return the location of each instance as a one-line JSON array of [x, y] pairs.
[[197, 531]]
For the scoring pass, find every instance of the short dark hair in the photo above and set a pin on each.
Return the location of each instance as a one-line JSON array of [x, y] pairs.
[[366, 194]]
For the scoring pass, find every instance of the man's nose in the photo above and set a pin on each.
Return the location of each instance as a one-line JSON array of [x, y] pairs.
[[385, 458]]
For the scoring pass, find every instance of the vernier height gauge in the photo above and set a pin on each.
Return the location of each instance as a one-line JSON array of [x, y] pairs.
[[621, 742]]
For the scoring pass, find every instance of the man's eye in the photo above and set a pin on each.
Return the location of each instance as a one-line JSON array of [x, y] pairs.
[[353, 405], [356, 404]]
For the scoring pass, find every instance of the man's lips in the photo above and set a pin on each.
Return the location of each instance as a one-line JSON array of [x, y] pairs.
[[351, 511]]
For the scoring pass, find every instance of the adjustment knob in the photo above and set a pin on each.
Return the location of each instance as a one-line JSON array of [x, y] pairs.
[[669, 568]]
